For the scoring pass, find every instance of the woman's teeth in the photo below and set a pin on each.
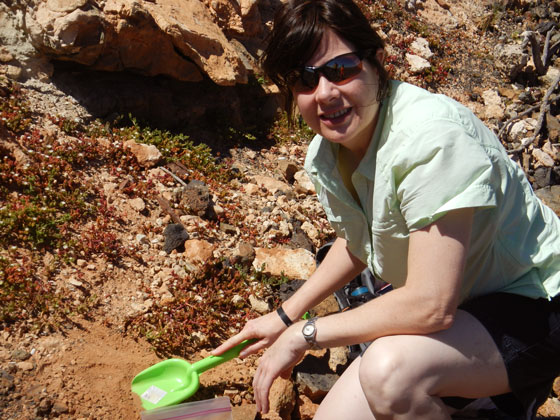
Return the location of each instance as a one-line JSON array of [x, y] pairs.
[[336, 114]]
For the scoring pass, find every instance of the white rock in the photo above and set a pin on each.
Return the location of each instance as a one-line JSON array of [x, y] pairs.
[[494, 107], [417, 63], [421, 47]]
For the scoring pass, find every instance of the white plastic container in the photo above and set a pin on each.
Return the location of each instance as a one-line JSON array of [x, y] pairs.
[[214, 409]]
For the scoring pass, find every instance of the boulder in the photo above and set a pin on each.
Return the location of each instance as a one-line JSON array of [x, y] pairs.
[[182, 39]]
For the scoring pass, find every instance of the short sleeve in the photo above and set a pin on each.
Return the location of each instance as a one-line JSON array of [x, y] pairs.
[[441, 168]]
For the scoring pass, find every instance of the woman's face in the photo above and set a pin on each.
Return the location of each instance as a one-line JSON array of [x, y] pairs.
[[343, 112]]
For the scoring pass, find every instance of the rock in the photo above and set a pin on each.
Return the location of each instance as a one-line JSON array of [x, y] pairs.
[[44, 407], [258, 305], [556, 387], [271, 185], [494, 108], [244, 412], [244, 253], [25, 366], [227, 228], [6, 383], [306, 407], [551, 150], [310, 230], [550, 196], [137, 204], [326, 306], [182, 39], [421, 47], [147, 155], [338, 358], [142, 239], [20, 355], [198, 251], [195, 199], [293, 263], [300, 239], [314, 379], [175, 237], [510, 60], [543, 158], [542, 177], [551, 75], [59, 408], [551, 408], [282, 399], [417, 64], [303, 184], [288, 169]]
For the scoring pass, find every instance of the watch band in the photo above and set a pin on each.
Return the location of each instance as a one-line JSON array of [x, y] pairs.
[[283, 316]]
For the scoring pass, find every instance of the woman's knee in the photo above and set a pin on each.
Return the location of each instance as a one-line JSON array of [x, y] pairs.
[[385, 375]]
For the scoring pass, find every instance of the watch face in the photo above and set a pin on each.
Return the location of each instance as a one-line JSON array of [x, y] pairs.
[[308, 329]]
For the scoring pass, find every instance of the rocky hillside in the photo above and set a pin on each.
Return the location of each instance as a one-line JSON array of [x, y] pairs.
[[144, 216]]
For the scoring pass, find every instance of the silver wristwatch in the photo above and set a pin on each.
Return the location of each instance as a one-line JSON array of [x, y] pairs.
[[309, 332]]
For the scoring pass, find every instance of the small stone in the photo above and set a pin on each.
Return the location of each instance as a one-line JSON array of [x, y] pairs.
[[21, 355], [175, 237], [59, 408], [258, 305], [137, 204], [25, 366], [142, 239]]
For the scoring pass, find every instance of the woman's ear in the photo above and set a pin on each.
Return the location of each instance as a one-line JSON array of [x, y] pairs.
[[380, 56]]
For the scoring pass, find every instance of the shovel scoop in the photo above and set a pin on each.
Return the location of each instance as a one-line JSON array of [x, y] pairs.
[[174, 380]]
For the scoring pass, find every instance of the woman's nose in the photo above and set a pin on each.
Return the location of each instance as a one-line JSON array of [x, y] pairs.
[[326, 90]]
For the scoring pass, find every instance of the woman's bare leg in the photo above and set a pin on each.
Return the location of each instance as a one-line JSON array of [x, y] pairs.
[[403, 377], [346, 400]]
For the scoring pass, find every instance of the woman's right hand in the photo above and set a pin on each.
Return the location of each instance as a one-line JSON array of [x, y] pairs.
[[265, 329]]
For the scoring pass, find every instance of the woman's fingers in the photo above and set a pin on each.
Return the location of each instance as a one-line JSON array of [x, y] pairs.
[[232, 342]]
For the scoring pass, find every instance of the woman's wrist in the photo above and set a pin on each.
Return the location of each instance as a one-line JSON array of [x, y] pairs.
[[284, 317]]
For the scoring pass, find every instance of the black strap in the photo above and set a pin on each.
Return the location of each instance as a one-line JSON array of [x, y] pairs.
[[283, 316]]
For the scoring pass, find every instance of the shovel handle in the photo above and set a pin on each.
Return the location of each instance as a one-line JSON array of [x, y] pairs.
[[213, 361]]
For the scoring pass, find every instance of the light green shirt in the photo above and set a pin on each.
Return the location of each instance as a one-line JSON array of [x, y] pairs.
[[429, 155]]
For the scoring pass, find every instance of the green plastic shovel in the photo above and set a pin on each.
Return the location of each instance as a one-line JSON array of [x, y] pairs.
[[174, 380]]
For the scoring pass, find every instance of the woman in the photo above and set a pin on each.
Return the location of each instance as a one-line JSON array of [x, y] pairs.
[[421, 192]]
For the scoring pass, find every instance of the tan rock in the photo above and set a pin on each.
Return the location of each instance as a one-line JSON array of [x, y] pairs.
[[293, 263], [270, 184], [244, 412], [282, 400], [198, 250], [556, 387], [306, 407], [147, 155], [551, 408], [303, 183], [543, 158], [178, 38], [494, 107]]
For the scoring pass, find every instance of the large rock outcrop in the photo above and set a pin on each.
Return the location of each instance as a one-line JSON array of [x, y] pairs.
[[182, 39]]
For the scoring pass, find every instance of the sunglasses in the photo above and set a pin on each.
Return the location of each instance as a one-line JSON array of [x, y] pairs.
[[337, 70]]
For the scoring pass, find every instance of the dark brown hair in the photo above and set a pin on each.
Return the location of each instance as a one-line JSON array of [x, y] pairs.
[[298, 28]]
